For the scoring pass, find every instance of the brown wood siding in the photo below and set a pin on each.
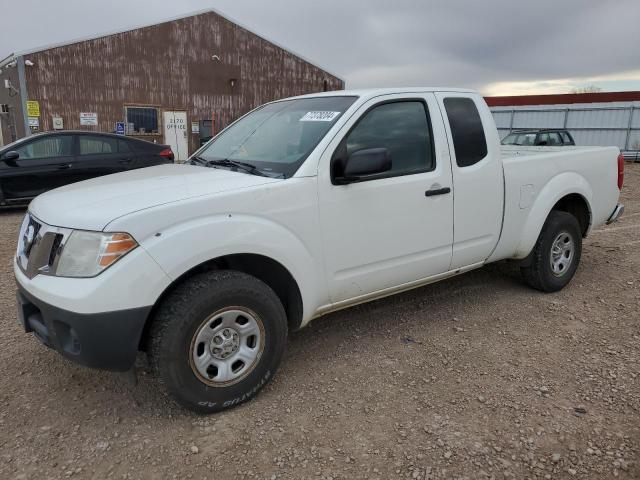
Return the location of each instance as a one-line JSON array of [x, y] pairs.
[[169, 66]]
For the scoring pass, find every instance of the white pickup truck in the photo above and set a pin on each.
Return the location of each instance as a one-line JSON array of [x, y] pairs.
[[302, 207]]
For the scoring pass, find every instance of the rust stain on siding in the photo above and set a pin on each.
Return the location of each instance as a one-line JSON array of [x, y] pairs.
[[169, 66]]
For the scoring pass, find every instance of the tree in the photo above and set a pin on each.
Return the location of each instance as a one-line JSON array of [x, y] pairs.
[[587, 89]]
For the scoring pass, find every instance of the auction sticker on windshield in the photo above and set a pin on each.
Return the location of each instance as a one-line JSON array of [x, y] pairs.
[[319, 116]]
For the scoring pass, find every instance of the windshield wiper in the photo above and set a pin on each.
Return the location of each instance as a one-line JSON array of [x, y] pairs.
[[198, 160], [225, 162]]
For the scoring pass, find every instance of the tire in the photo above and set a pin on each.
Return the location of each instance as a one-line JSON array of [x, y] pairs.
[[548, 270], [217, 339]]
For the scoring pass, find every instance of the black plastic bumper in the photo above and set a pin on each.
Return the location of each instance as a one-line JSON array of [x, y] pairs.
[[107, 341]]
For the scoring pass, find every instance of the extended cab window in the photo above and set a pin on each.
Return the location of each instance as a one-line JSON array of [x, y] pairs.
[[469, 142], [59, 146], [400, 127]]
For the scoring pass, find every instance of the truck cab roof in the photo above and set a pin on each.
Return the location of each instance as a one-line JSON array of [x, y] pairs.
[[367, 93]]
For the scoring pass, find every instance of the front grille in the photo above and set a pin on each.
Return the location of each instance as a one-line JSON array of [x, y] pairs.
[[35, 226], [55, 248], [39, 246]]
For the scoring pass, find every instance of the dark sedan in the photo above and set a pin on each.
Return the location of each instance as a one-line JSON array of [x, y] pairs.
[[540, 138], [45, 161]]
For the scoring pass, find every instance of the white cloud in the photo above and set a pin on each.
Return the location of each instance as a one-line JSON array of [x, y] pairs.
[[613, 81], [496, 46]]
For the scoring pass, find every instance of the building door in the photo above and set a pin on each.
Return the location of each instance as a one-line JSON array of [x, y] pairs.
[[175, 134]]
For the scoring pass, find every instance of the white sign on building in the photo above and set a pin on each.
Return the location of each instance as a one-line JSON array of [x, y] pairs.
[[88, 118]]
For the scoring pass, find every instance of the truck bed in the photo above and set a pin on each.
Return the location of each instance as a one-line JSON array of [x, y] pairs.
[[536, 177]]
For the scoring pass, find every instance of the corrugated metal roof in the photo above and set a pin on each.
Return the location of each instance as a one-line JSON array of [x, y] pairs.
[[569, 98]]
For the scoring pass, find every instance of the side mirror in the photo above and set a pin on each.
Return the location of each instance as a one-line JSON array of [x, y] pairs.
[[360, 165], [10, 158]]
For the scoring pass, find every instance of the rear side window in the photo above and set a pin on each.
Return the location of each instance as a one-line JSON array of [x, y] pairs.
[[123, 146], [400, 127], [90, 145], [565, 137], [467, 131], [554, 139]]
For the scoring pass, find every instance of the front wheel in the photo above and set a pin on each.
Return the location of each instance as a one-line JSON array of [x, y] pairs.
[[556, 255], [217, 339]]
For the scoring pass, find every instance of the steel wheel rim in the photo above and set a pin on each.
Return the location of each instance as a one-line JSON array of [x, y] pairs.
[[562, 253], [227, 346]]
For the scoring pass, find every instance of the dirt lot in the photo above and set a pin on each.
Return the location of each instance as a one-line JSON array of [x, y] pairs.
[[476, 377]]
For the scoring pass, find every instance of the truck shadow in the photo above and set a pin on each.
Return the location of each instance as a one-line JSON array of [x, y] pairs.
[[411, 314], [446, 297]]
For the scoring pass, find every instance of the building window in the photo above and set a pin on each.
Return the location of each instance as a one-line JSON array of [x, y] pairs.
[[142, 120]]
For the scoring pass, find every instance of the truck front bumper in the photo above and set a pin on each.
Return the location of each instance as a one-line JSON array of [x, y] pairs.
[[98, 321], [617, 213], [107, 341]]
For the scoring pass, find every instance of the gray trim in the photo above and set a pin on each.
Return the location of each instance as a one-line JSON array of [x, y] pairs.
[[557, 110], [7, 59], [22, 81], [629, 128]]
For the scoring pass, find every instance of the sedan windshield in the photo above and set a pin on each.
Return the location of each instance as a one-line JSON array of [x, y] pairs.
[[275, 139]]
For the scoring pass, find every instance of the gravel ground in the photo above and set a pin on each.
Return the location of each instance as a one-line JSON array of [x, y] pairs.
[[474, 377]]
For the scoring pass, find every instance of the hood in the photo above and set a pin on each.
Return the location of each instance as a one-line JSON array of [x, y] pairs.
[[92, 204]]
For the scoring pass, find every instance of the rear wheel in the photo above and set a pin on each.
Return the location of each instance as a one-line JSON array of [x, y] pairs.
[[556, 255], [217, 340]]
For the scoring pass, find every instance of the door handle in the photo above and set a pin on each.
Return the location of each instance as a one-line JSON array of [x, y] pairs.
[[124, 161], [63, 166], [437, 191]]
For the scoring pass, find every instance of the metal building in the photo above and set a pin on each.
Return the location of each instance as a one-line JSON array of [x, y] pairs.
[[173, 82], [611, 118]]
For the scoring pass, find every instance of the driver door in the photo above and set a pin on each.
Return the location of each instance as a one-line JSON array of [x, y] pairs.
[[387, 231], [42, 165]]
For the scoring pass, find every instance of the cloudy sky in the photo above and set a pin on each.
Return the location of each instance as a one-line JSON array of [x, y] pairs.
[[500, 47]]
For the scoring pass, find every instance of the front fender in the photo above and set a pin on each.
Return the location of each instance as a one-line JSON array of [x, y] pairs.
[[560, 186], [186, 245]]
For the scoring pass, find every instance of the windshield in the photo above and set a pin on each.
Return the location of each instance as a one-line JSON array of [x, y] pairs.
[[278, 137], [519, 139]]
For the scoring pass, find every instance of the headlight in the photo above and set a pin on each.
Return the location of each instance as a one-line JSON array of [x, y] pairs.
[[86, 254]]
